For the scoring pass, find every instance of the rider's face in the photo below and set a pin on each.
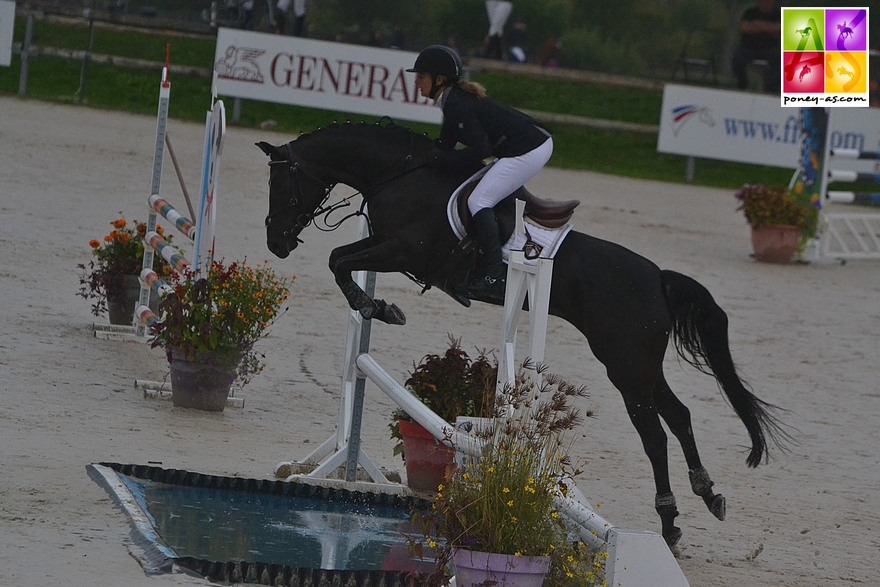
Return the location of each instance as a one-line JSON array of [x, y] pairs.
[[424, 81]]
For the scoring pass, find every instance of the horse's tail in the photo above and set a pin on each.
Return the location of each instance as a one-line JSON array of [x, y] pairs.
[[699, 331]]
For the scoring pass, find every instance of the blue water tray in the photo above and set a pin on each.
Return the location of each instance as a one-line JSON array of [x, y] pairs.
[[265, 531]]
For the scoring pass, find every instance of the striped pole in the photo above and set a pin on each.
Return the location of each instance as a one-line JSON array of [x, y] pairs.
[[183, 224], [863, 198], [852, 176], [169, 253], [145, 316], [152, 279], [855, 154]]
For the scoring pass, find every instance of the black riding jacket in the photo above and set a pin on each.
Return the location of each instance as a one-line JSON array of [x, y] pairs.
[[486, 128]]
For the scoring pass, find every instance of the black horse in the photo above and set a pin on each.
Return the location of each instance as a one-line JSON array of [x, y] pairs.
[[624, 304]]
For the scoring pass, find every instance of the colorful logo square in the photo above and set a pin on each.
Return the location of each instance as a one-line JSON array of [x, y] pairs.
[[846, 72], [846, 29], [804, 72], [803, 29]]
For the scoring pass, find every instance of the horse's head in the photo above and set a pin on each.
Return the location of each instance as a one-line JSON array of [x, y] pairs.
[[294, 196]]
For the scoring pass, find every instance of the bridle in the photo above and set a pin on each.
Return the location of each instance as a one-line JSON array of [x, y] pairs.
[[306, 218]]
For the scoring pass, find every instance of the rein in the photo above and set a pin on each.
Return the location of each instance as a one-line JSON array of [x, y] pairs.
[[306, 218]]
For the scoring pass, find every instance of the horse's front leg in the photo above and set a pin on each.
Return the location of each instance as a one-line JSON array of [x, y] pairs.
[[365, 255]]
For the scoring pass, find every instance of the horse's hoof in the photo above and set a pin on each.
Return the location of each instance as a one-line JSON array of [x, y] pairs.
[[390, 314], [718, 507], [673, 537], [369, 310]]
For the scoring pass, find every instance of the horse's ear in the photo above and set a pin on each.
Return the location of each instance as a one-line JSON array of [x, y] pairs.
[[272, 151]]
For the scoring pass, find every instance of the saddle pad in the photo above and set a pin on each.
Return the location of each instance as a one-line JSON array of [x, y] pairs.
[[537, 241]]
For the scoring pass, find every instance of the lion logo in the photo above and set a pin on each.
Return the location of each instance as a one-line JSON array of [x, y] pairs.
[[239, 64]]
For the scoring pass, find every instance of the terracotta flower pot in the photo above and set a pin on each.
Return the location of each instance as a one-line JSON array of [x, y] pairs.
[[502, 570], [201, 383], [775, 244], [427, 460]]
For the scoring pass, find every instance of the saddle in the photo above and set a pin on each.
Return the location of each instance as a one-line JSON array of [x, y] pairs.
[[453, 274], [546, 213]]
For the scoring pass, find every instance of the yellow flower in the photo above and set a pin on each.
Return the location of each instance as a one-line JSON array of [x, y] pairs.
[[510, 503], [431, 543], [506, 490]]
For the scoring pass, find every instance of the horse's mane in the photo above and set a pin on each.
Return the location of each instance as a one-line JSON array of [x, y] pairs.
[[384, 128]]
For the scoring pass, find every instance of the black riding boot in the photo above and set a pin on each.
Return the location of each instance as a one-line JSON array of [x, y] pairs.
[[493, 283]]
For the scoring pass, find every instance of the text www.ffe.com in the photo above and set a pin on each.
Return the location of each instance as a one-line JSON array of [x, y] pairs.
[[764, 131]]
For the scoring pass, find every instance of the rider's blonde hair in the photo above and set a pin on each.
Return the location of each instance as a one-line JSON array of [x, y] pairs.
[[472, 88]]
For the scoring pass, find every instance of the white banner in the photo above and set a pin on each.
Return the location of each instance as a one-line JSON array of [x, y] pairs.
[[7, 27], [319, 74], [750, 128]]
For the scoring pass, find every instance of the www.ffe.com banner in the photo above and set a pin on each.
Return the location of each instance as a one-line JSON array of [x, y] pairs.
[[825, 57]]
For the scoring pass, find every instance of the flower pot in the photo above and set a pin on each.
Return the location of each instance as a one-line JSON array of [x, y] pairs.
[[503, 570], [203, 382], [121, 305], [775, 244], [427, 460]]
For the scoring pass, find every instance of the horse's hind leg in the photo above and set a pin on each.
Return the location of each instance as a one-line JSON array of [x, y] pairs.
[[678, 418], [635, 388]]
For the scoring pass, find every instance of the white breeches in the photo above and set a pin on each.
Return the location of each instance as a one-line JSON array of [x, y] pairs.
[[508, 174]]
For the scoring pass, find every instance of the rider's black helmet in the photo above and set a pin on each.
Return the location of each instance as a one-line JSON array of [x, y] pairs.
[[438, 60]]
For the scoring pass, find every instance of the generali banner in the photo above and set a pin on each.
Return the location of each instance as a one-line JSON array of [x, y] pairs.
[[754, 128], [319, 74]]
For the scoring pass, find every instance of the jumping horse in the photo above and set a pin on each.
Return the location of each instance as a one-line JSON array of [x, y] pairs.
[[624, 304]]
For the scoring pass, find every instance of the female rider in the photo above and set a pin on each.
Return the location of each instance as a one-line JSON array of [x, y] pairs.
[[486, 128]]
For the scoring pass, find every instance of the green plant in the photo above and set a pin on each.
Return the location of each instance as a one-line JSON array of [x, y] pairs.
[[452, 385], [226, 311], [506, 500], [774, 205], [120, 254]]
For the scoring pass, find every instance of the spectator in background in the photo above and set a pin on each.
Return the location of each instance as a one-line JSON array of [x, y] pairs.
[[299, 18], [760, 28], [248, 22], [397, 39], [498, 12], [516, 41], [281, 16]]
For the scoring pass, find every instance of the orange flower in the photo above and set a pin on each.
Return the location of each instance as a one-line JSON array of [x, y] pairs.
[[94, 243], [120, 223]]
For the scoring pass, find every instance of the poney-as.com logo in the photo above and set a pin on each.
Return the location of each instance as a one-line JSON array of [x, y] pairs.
[[825, 57]]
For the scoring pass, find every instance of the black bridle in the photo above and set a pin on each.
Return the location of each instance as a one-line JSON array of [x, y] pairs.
[[306, 218]]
